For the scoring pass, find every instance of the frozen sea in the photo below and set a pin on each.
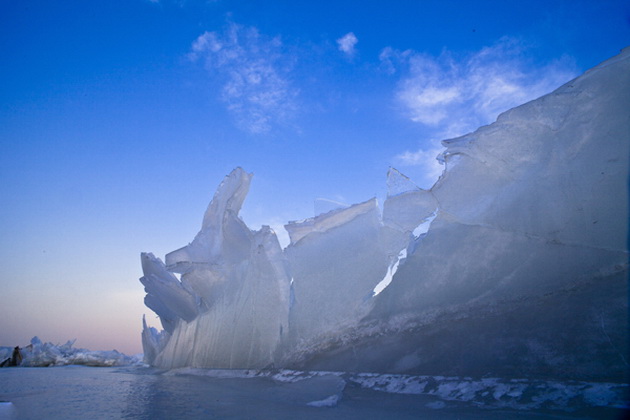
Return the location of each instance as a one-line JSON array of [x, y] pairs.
[[138, 392]]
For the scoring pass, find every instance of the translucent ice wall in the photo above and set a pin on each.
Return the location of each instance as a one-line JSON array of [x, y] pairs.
[[523, 269], [535, 202], [230, 308], [336, 260]]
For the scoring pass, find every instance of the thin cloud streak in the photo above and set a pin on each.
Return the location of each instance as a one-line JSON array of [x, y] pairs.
[[254, 74]]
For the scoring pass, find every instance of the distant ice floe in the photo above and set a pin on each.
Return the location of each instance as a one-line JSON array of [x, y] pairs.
[[40, 354]]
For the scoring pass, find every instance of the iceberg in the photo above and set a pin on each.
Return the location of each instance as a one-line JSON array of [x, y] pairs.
[[514, 264]]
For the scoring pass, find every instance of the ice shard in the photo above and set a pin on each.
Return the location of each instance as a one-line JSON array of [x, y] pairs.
[[223, 236], [336, 260], [407, 205], [514, 263], [242, 284], [166, 296]]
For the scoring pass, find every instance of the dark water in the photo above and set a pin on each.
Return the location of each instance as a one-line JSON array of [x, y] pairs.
[[76, 392]]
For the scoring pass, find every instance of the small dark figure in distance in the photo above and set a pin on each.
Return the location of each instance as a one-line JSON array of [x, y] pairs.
[[14, 360]]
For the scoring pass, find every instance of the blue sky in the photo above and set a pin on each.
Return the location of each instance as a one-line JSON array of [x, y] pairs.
[[118, 119]]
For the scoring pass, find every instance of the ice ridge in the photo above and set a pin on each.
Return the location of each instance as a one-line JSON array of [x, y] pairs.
[[509, 265]]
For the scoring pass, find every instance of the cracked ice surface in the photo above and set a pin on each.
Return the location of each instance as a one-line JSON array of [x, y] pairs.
[[522, 271]]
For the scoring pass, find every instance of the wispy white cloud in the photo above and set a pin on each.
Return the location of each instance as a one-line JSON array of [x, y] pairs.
[[452, 96], [347, 43], [254, 73], [462, 94]]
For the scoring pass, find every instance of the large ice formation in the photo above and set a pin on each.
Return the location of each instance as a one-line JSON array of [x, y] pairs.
[[522, 272], [231, 307]]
